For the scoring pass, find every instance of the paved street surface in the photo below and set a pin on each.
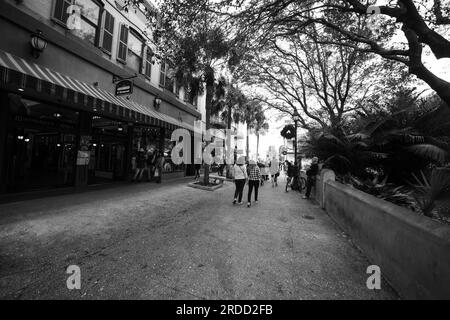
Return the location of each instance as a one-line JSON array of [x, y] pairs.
[[171, 241]]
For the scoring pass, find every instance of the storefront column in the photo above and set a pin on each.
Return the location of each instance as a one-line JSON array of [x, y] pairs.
[[190, 168], [162, 136], [4, 116], [83, 139]]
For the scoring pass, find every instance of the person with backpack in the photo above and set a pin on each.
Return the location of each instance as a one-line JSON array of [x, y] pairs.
[[290, 174], [311, 174], [239, 173], [254, 177]]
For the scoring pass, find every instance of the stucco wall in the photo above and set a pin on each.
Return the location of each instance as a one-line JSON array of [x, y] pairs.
[[412, 251]]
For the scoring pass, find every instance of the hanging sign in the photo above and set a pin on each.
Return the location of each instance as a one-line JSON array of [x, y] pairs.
[[124, 87]]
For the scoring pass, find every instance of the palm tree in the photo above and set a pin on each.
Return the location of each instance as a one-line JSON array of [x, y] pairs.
[[260, 128], [396, 145], [252, 109]]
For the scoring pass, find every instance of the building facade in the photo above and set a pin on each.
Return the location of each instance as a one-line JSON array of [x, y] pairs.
[[63, 119]]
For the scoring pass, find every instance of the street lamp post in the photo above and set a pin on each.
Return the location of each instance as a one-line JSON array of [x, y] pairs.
[[295, 181]]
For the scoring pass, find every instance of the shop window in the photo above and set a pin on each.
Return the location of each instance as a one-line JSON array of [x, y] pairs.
[[107, 32], [42, 142], [107, 150], [135, 50]]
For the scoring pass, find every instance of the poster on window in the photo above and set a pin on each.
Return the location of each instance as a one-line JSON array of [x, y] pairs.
[[74, 19]]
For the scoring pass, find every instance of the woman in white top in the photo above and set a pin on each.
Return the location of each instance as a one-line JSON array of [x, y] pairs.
[[239, 172]]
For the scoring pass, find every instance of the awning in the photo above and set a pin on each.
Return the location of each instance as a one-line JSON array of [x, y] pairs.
[[30, 75]]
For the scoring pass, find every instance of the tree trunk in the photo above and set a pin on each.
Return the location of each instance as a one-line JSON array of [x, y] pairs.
[[416, 67], [209, 97], [228, 168], [257, 145], [248, 147]]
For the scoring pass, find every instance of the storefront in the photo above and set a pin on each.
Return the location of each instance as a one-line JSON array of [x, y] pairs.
[[67, 133], [40, 145]]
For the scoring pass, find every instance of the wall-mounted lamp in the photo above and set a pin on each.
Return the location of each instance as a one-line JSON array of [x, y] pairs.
[[38, 43], [157, 103]]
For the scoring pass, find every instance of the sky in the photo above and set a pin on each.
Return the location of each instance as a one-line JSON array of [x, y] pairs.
[[441, 68]]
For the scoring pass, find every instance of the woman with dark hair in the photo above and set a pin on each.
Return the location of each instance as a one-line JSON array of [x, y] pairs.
[[254, 176], [239, 172]]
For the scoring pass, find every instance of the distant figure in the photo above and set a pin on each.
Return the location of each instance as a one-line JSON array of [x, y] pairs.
[[149, 165], [197, 167], [159, 166], [221, 167], [254, 176], [140, 165], [239, 173], [261, 166], [275, 171], [311, 174]]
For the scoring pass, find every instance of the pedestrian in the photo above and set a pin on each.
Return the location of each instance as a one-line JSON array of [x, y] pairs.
[[149, 165], [140, 165], [197, 167], [239, 172], [290, 173], [275, 171], [159, 166], [254, 176], [261, 166], [311, 174], [221, 167]]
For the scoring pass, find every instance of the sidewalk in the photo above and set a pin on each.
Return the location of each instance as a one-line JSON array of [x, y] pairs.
[[175, 242]]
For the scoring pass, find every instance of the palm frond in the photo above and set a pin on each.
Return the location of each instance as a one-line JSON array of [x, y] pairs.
[[430, 152]]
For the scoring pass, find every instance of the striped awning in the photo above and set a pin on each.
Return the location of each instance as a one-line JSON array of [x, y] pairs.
[[26, 74]]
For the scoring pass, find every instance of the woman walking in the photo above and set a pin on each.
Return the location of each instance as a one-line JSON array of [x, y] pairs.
[[239, 172], [254, 176]]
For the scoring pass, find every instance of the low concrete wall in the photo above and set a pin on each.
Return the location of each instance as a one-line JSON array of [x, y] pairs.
[[412, 251]]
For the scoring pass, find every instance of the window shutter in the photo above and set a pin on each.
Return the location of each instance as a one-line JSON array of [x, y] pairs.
[[148, 63], [60, 11], [162, 75], [107, 32], [123, 43]]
